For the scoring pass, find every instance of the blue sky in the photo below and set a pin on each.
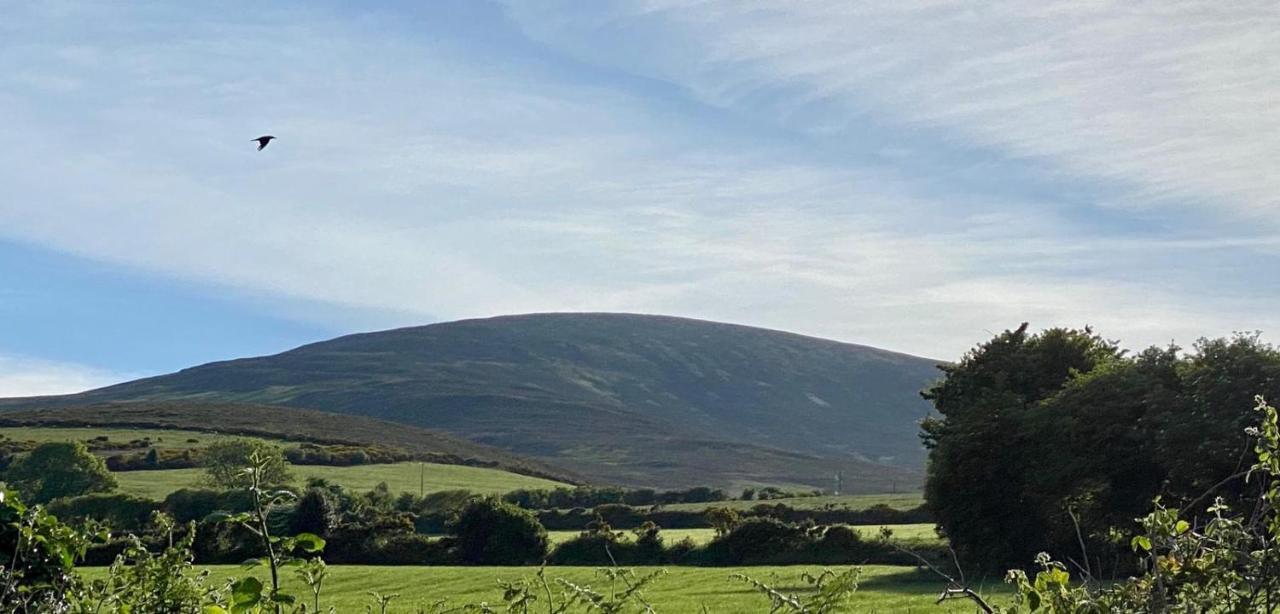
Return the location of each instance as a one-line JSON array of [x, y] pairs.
[[911, 175]]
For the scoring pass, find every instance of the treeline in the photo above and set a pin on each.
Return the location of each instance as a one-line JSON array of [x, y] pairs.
[[628, 517], [377, 527], [1057, 441], [591, 496], [752, 541]]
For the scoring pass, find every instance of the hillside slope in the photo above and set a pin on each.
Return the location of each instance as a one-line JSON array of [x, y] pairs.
[[627, 398]]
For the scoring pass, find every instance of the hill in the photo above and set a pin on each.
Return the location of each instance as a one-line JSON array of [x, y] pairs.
[[641, 400]]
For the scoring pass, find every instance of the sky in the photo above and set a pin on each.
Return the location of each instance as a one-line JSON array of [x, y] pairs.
[[913, 175]]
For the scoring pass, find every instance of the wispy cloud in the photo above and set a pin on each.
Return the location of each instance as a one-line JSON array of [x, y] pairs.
[[1174, 101], [416, 176], [23, 377]]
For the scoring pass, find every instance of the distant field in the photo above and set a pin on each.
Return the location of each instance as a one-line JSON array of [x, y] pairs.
[[914, 533], [683, 590], [165, 439], [901, 501], [400, 477]]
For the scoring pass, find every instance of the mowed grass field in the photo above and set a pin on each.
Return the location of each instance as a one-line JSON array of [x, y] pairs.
[[922, 533], [900, 501], [400, 477], [682, 590]]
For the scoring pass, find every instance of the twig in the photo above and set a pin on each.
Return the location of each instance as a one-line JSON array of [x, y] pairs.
[[954, 588], [1084, 551]]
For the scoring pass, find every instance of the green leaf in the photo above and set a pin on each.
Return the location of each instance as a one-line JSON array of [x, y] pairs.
[[309, 542], [1059, 576], [1182, 527], [246, 592], [1033, 600], [214, 609], [1140, 543]]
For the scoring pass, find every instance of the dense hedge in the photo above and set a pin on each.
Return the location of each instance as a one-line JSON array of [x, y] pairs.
[[154, 459], [119, 511], [591, 496], [756, 541], [379, 529], [345, 455], [626, 517]]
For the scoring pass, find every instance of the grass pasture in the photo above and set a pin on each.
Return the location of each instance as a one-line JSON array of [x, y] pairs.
[[163, 439], [683, 590], [400, 477]]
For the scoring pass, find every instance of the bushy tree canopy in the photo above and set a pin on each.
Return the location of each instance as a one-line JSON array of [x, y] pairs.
[[490, 532], [1041, 433], [59, 469], [225, 463]]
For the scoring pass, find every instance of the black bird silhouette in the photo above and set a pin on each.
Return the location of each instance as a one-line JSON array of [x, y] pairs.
[[262, 141]]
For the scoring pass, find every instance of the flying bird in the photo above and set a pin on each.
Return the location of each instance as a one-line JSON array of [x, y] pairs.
[[262, 141]]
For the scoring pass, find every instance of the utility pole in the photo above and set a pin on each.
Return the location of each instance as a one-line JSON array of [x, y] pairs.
[[839, 482]]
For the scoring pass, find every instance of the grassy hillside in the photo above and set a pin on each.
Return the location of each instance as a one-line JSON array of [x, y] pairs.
[[400, 477], [684, 589], [633, 399]]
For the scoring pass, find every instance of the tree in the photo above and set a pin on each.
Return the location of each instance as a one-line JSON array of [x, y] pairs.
[[59, 469], [1056, 441], [225, 463], [490, 532], [978, 448]]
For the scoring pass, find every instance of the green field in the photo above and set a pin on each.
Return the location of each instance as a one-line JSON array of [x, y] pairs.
[[683, 590], [900, 501], [164, 439], [400, 477], [922, 533]]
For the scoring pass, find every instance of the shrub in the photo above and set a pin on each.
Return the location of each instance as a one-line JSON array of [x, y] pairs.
[[591, 548], [760, 541], [119, 511], [490, 532], [37, 557], [190, 504], [313, 513]]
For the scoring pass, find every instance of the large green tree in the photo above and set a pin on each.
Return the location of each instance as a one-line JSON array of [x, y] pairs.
[[979, 447], [59, 469], [1048, 440]]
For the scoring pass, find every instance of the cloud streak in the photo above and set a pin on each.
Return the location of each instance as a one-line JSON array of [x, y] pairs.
[[418, 177], [23, 377], [1176, 102]]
